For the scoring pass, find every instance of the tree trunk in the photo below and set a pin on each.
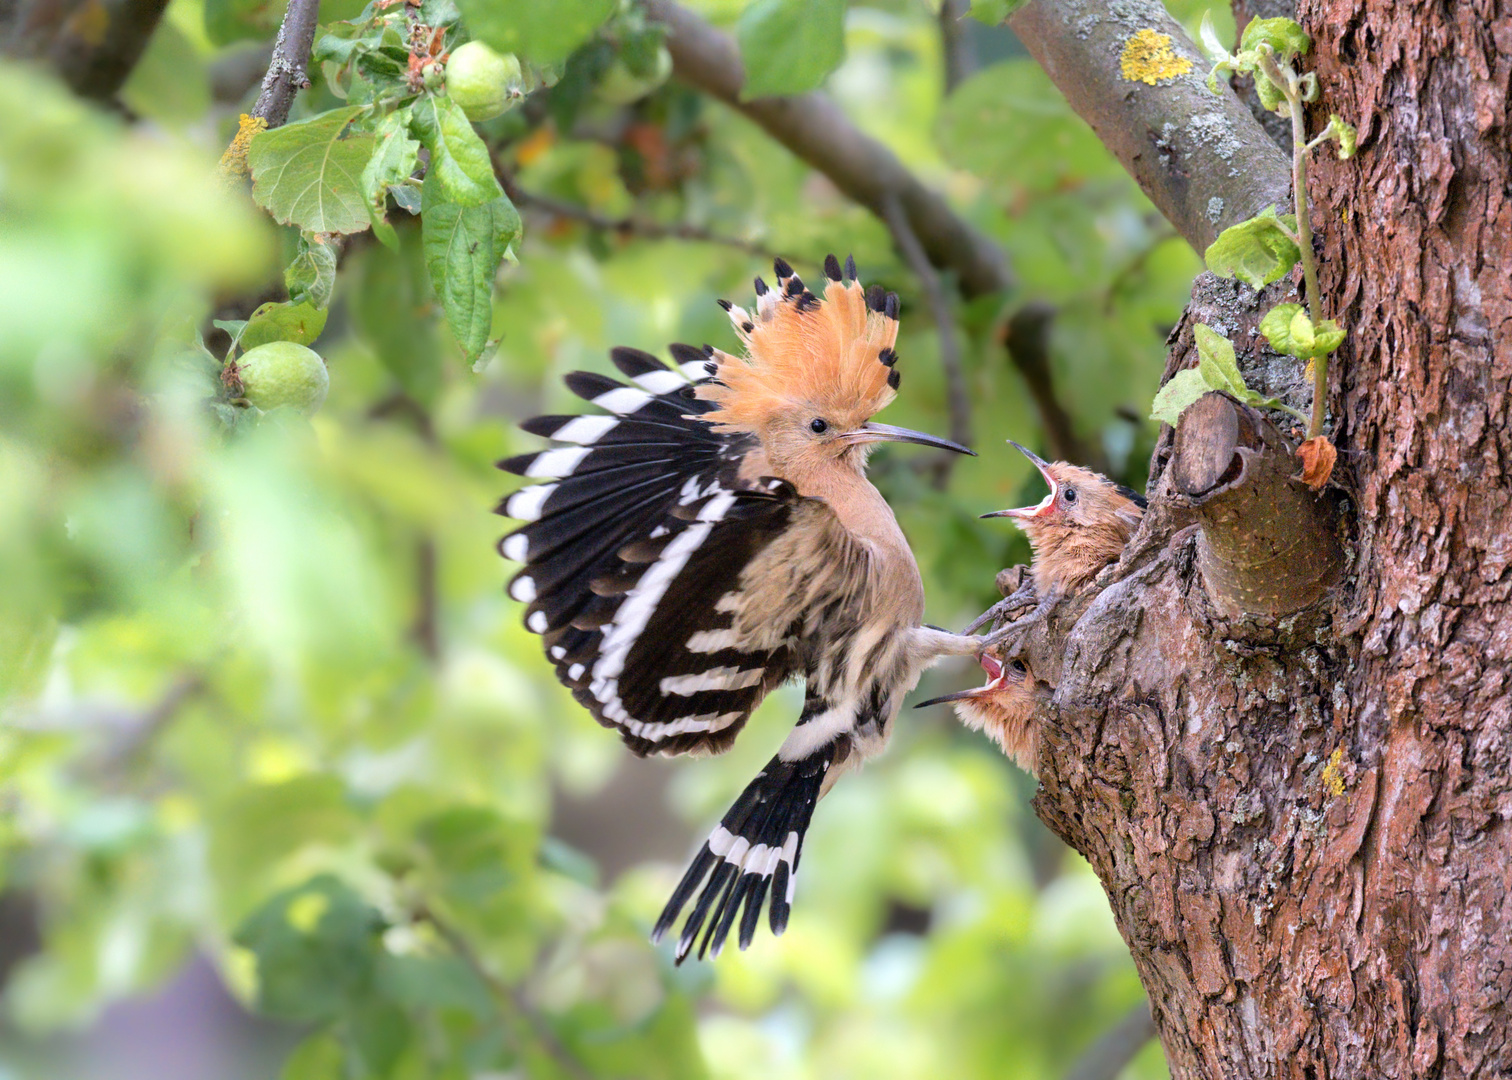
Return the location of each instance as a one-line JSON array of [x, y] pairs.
[[1302, 819]]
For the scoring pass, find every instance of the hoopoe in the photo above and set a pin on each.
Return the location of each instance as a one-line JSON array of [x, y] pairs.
[[1003, 707], [1077, 529], [713, 534]]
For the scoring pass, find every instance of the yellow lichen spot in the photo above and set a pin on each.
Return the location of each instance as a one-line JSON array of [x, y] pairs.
[[1333, 775], [1147, 58], [233, 162]]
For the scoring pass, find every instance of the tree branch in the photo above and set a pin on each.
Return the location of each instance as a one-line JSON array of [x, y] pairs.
[[814, 128], [291, 55], [956, 52], [1116, 1047], [956, 396], [1202, 159]]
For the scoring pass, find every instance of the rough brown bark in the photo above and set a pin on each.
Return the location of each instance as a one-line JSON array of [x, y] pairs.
[[1304, 822]]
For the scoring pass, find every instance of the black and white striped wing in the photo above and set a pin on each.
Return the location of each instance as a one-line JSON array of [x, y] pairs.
[[636, 532]]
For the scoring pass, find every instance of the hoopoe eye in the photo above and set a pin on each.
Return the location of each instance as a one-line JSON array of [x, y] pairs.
[[1019, 667], [1069, 495], [818, 425]]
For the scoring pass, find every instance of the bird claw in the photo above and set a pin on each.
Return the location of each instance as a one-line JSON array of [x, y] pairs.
[[1012, 602]]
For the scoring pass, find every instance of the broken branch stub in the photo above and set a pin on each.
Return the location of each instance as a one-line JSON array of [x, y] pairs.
[[1268, 546]]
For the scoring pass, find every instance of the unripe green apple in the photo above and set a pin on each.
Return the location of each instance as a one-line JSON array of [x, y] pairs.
[[282, 373], [484, 83]]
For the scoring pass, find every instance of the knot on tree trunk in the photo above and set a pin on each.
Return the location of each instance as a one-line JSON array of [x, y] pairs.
[[1268, 545]]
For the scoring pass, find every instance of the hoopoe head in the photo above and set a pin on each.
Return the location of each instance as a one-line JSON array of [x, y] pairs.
[[815, 371], [1003, 707], [1084, 512]]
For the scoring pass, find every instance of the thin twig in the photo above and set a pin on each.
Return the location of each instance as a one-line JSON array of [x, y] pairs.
[[515, 1007], [1116, 1047], [625, 226], [287, 74], [956, 395], [956, 52]]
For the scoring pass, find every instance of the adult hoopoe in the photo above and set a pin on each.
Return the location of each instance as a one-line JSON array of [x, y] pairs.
[[712, 534], [1077, 529], [1003, 707]]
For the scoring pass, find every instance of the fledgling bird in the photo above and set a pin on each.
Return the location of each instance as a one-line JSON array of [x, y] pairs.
[[1003, 707], [713, 534], [1077, 529]]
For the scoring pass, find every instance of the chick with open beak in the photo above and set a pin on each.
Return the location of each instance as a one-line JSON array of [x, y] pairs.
[[1077, 529], [1003, 707]]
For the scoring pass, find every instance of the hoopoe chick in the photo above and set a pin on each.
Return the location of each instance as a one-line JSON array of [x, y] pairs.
[[1077, 529], [1003, 707], [713, 534]]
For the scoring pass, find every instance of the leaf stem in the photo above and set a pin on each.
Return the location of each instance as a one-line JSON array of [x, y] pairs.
[[1291, 87]]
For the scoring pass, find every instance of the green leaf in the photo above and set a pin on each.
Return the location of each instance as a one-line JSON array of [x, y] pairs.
[[311, 276], [1257, 251], [436, 982], [463, 248], [1344, 134], [307, 174], [1217, 363], [1008, 122], [316, 947], [543, 33], [300, 323], [1289, 330], [994, 12], [458, 158], [227, 21], [320, 1057], [394, 160], [789, 46], [1285, 37], [1208, 35]]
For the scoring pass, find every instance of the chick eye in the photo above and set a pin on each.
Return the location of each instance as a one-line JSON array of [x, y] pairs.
[[818, 425], [1069, 495], [1019, 668]]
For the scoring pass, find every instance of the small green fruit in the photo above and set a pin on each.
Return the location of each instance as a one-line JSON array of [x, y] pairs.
[[621, 86], [433, 75], [282, 373], [484, 83]]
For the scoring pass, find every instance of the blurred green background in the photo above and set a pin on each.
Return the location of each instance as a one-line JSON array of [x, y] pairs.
[[286, 788]]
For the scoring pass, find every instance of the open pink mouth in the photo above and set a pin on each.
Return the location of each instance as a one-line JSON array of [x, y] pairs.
[[994, 669]]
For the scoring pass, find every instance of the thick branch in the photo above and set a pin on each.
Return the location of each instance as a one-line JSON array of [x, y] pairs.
[[1202, 159], [291, 55], [1268, 545]]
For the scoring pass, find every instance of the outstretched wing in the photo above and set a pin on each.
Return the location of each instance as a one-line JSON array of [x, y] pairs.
[[630, 549]]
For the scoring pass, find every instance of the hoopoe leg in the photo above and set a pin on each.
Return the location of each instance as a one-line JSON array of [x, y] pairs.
[[1016, 629]]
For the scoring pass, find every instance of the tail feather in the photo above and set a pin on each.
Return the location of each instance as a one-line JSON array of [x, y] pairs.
[[751, 854]]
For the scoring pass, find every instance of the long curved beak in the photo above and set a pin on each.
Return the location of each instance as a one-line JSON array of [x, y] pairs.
[[1025, 513], [871, 432], [959, 695]]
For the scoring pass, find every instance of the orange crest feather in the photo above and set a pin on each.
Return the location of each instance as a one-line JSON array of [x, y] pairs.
[[832, 356]]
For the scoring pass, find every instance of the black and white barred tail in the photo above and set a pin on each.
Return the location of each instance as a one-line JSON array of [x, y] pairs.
[[751, 855]]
